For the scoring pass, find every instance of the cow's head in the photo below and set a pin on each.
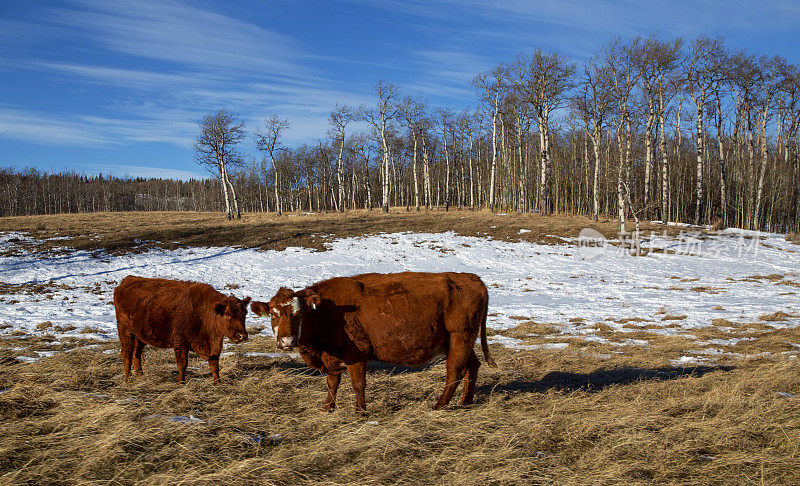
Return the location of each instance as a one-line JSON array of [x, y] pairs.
[[230, 313], [287, 310]]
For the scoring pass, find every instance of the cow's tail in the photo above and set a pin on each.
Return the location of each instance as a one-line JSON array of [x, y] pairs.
[[484, 344]]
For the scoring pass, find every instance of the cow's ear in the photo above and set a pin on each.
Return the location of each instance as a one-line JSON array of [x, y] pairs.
[[219, 308], [246, 301], [261, 309], [313, 299]]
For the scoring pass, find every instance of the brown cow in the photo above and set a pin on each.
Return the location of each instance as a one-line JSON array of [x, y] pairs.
[[402, 318], [179, 315]]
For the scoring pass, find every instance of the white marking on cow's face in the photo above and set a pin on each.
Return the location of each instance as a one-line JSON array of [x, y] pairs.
[[294, 304]]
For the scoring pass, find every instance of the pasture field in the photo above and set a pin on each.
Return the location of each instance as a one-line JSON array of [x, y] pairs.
[[677, 367]]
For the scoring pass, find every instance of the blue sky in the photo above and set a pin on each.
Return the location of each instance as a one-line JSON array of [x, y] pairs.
[[118, 86]]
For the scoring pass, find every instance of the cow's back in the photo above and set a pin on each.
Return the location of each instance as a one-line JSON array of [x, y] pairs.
[[408, 316], [152, 307]]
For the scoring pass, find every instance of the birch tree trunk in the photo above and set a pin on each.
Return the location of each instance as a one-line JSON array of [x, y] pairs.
[[762, 171], [648, 151], [471, 173], [278, 206], [447, 172], [414, 168], [723, 189], [341, 199], [494, 152], [228, 212], [596, 141], [699, 142], [544, 144], [620, 188]]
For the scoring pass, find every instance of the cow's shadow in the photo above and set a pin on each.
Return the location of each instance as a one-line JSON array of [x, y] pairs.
[[294, 366], [591, 382], [299, 367]]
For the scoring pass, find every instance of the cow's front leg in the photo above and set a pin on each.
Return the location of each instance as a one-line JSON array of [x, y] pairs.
[[334, 377], [358, 378], [137, 356], [182, 360], [213, 365]]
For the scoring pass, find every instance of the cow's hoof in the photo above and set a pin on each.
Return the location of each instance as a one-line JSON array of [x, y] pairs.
[[327, 408]]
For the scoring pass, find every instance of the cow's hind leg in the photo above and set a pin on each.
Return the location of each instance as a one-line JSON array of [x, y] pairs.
[[213, 365], [457, 357], [182, 360], [469, 381], [127, 343], [334, 377], [358, 378], [137, 356]]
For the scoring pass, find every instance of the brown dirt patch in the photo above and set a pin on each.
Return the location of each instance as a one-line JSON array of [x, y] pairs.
[[139, 231]]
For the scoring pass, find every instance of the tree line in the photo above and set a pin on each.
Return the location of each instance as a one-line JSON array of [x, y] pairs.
[[29, 191], [688, 131]]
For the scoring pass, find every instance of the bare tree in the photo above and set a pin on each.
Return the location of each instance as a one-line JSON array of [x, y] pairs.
[[770, 69], [593, 103], [493, 85], [656, 61], [268, 140], [621, 61], [381, 118], [703, 68], [215, 147], [545, 79], [339, 117], [411, 112]]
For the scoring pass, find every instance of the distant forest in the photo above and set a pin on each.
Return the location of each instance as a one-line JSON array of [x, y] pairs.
[[647, 128]]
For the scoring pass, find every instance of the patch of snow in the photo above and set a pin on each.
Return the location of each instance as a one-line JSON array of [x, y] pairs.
[[191, 419], [724, 342], [688, 360], [631, 342], [524, 279], [272, 355]]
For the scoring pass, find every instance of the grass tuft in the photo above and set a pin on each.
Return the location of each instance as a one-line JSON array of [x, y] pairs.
[[540, 417]]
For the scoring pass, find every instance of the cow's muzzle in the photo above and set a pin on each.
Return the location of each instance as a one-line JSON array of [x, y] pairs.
[[287, 342]]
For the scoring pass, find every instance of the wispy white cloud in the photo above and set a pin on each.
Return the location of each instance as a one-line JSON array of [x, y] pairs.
[[133, 171], [48, 129], [181, 34], [577, 27], [91, 130]]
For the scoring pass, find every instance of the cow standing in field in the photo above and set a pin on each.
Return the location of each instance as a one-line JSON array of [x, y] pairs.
[[403, 318], [179, 315]]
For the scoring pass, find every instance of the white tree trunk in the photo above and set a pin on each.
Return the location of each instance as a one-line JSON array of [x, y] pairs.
[[698, 213], [340, 203], [278, 207], [494, 152], [414, 168], [228, 212]]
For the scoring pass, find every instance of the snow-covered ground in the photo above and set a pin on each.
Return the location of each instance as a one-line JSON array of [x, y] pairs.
[[699, 276]]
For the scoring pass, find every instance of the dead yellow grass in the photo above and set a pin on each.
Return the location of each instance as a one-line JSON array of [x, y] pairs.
[[137, 231], [542, 417]]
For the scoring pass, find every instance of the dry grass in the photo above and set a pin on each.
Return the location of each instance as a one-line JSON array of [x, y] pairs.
[[138, 231], [593, 413], [544, 417]]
